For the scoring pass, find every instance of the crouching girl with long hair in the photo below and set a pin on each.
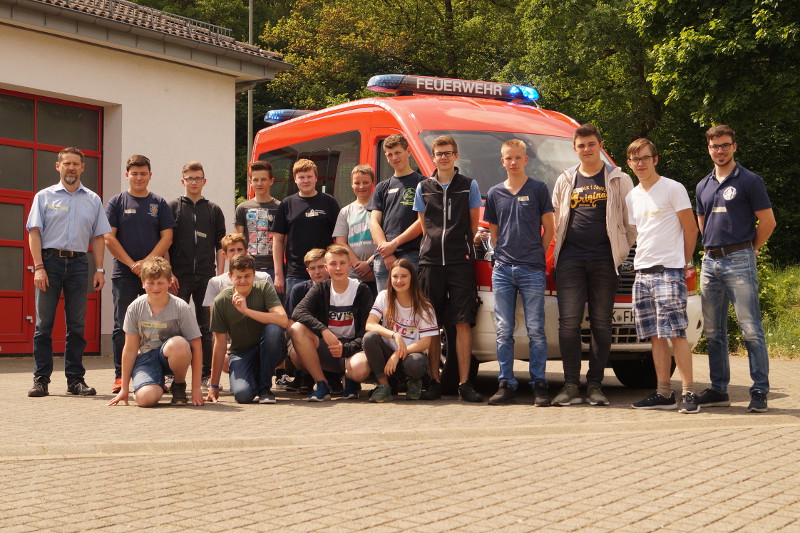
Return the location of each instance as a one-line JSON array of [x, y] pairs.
[[399, 330]]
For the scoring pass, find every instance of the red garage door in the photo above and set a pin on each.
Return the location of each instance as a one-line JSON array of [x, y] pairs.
[[33, 130]]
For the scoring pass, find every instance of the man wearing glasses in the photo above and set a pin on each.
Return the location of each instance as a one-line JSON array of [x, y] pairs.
[[448, 206], [735, 218], [196, 253]]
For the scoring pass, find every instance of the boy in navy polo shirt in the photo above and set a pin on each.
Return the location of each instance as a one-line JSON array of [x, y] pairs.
[[730, 201], [516, 211]]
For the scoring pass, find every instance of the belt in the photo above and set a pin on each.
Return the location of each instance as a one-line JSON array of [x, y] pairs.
[[63, 253], [657, 269], [725, 250]]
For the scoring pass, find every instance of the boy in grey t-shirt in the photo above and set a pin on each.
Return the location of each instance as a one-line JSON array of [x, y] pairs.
[[161, 336]]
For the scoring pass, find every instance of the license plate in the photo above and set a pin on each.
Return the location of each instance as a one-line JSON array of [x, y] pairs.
[[623, 316]]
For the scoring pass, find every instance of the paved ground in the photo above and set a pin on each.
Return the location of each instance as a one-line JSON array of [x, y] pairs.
[[71, 464]]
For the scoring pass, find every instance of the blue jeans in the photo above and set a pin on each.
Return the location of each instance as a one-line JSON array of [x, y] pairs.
[[578, 281], [382, 274], [251, 370], [123, 291], [67, 275], [506, 281], [288, 283], [150, 368], [732, 278]]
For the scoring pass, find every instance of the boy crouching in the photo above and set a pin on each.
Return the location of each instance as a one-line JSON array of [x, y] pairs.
[[161, 336]]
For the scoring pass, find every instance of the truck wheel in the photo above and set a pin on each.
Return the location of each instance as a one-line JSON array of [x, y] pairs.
[[638, 373], [449, 362]]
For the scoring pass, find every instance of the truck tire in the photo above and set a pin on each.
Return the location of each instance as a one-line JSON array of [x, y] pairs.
[[449, 364], [638, 373]]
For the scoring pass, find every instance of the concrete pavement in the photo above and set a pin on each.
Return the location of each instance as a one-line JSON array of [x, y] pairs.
[[73, 464]]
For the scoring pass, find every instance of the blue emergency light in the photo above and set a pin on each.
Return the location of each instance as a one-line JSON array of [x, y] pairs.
[[274, 116], [403, 85]]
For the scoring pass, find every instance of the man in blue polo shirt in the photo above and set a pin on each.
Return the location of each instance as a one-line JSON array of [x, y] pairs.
[[64, 219], [735, 217]]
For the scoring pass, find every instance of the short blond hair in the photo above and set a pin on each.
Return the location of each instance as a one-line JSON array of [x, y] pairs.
[[227, 240], [304, 165], [515, 143]]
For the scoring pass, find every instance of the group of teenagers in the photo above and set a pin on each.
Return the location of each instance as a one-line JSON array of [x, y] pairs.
[[344, 296]]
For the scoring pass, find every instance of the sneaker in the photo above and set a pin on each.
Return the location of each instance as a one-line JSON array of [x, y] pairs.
[[39, 388], [80, 388], [382, 393], [321, 393], [689, 404], [282, 381], [433, 392], [540, 397], [351, 389], [266, 396], [505, 395], [594, 395], [295, 384], [467, 393], [712, 398], [568, 395], [414, 389], [204, 381], [758, 402], [657, 401], [117, 385], [169, 379], [178, 393]]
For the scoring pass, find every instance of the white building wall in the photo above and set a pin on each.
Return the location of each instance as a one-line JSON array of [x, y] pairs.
[[167, 111]]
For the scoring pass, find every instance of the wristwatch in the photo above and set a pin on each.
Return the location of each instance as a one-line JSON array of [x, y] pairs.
[[101, 270]]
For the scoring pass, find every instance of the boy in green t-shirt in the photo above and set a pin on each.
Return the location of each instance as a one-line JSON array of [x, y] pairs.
[[250, 313]]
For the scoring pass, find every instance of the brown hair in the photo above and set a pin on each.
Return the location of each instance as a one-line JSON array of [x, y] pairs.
[[138, 161], [304, 165], [242, 262], [515, 143], [314, 254], [155, 268], [587, 130], [260, 165], [337, 249], [718, 131], [443, 140], [193, 165], [420, 305], [70, 150], [227, 240], [393, 140], [640, 144], [363, 169]]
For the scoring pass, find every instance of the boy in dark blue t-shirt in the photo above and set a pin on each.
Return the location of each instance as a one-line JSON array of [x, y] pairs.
[[521, 224]]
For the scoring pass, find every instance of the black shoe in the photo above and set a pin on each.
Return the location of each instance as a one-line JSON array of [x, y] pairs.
[[505, 395], [712, 398], [689, 404], [179, 393], [295, 384], [758, 402], [39, 388], [433, 392], [657, 401], [540, 397], [80, 388], [334, 382], [467, 393]]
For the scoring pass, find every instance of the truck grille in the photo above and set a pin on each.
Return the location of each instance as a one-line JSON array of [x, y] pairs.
[[623, 334], [627, 275]]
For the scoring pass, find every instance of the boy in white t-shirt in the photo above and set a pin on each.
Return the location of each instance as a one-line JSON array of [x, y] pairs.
[[161, 336], [667, 233], [330, 324]]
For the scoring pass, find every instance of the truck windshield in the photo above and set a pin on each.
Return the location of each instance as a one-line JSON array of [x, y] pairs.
[[479, 155]]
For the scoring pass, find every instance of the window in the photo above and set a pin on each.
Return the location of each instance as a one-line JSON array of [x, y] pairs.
[[34, 129], [334, 155]]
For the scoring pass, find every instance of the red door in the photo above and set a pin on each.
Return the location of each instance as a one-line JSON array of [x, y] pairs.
[[16, 278]]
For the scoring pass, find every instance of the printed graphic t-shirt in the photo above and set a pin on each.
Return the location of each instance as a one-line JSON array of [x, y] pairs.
[[176, 319], [340, 317], [410, 326], [587, 238], [257, 219]]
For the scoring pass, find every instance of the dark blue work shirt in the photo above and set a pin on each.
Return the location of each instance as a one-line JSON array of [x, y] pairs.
[[519, 223], [729, 207]]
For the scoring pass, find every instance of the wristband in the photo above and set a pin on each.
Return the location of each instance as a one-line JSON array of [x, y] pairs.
[[210, 386], [40, 266]]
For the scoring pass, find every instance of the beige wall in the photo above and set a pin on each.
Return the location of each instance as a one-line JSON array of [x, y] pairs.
[[170, 112]]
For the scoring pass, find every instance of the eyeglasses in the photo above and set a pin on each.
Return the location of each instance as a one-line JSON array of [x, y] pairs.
[[448, 155], [724, 147], [193, 180], [644, 159]]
